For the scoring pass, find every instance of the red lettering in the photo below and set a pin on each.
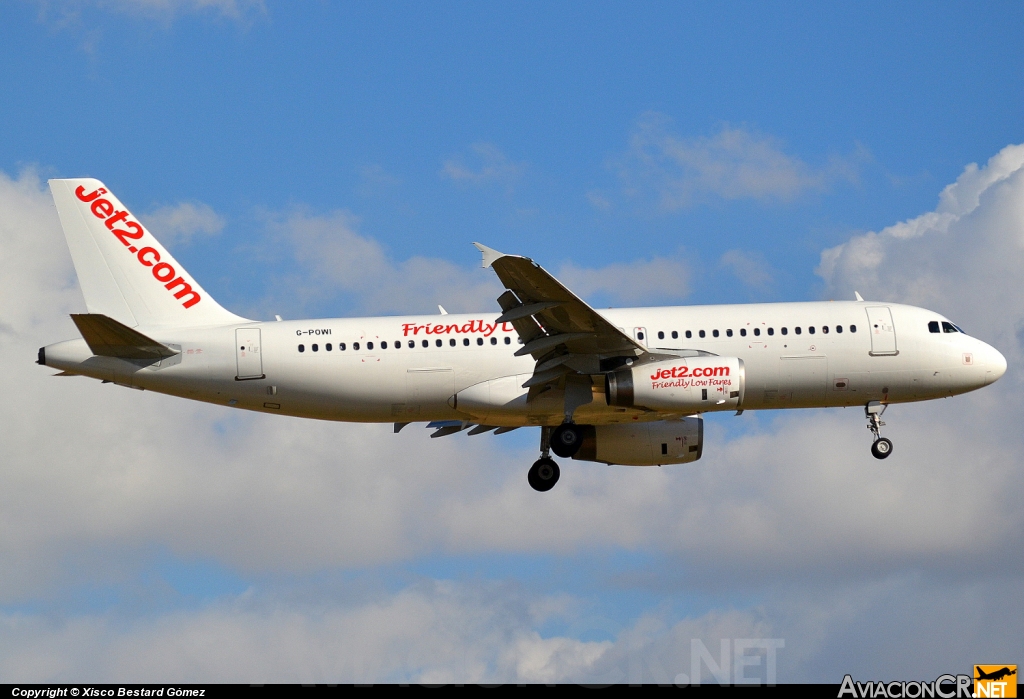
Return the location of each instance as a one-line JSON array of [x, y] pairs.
[[438, 329], [506, 327], [124, 236], [164, 272], [116, 218], [101, 208], [451, 328], [154, 254], [80, 193], [406, 327], [186, 290]]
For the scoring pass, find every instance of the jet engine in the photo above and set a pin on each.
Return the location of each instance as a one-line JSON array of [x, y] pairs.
[[643, 443], [687, 384]]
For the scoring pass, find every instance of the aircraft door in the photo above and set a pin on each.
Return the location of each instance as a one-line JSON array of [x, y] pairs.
[[883, 333], [640, 335], [248, 354]]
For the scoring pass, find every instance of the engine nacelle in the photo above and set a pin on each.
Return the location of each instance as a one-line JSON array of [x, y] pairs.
[[644, 443], [687, 384]]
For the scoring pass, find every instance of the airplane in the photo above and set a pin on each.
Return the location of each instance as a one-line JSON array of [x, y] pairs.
[[625, 386]]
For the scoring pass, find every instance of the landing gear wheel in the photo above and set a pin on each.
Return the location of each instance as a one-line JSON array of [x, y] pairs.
[[566, 440], [543, 475], [881, 448]]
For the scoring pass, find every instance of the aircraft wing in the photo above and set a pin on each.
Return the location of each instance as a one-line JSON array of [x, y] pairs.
[[557, 328]]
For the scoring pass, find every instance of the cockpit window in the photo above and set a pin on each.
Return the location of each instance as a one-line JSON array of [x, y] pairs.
[[933, 326], [948, 327]]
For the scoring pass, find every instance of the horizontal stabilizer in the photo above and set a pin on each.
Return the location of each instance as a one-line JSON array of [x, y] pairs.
[[108, 338]]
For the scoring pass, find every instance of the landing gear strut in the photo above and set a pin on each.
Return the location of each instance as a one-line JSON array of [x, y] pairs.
[[544, 473], [882, 447]]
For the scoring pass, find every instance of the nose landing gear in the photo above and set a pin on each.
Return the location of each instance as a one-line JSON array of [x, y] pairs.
[[882, 447]]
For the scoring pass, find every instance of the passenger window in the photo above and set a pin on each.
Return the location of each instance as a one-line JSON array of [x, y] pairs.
[[771, 331], [479, 341], [839, 328], [743, 332], [315, 348], [639, 336], [438, 343], [948, 327], [701, 333], [451, 342], [785, 331], [715, 333], [688, 334], [341, 346], [355, 345], [369, 345], [508, 340], [302, 348], [675, 334], [853, 328], [383, 345], [661, 335], [796, 330], [412, 344], [465, 341], [494, 340], [757, 331], [426, 343], [728, 333], [824, 329], [810, 330], [328, 347]]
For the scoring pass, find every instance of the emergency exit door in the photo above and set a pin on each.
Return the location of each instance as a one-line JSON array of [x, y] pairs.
[[247, 354]]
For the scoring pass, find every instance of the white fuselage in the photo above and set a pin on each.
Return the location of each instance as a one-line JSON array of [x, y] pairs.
[[408, 369]]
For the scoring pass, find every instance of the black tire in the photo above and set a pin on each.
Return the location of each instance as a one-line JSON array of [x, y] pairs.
[[881, 448], [566, 440], [543, 475]]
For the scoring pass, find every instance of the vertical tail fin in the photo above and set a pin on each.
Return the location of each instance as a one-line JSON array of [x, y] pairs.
[[124, 271]]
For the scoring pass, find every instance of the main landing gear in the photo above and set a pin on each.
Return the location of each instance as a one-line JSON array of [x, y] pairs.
[[882, 447], [544, 473], [566, 440]]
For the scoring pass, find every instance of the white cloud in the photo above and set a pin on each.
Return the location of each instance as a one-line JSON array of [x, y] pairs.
[[752, 270], [735, 163], [336, 259], [963, 259], [659, 279], [487, 164], [178, 224]]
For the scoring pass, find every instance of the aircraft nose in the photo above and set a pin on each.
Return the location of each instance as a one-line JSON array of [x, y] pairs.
[[995, 364]]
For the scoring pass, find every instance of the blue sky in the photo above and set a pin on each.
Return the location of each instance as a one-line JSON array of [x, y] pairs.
[[338, 159]]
